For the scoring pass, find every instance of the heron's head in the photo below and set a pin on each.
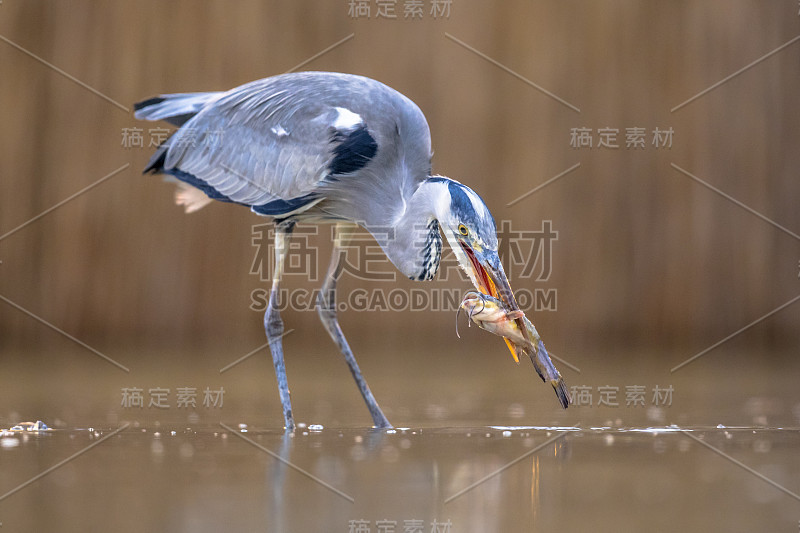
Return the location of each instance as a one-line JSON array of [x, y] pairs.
[[470, 230]]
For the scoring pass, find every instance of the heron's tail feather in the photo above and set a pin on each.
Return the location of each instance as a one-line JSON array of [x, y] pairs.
[[174, 108]]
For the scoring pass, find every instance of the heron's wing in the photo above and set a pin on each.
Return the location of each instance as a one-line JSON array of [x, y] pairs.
[[271, 144], [174, 108]]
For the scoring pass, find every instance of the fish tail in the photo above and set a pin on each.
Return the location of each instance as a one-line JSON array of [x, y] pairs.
[[560, 386], [552, 374]]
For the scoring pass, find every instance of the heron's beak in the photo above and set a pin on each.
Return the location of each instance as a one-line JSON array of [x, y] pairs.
[[491, 280]]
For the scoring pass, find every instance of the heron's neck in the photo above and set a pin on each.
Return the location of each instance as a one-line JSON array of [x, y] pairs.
[[413, 242]]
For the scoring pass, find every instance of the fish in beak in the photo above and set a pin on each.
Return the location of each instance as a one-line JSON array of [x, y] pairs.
[[490, 314], [490, 279]]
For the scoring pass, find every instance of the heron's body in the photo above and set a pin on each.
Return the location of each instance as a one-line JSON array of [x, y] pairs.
[[326, 147]]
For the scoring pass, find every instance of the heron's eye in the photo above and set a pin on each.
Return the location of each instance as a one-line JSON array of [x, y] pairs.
[[462, 229]]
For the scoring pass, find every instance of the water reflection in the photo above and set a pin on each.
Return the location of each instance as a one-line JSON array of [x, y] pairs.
[[491, 478]]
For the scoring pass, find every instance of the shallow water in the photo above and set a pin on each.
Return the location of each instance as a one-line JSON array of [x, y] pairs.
[[474, 450], [475, 479]]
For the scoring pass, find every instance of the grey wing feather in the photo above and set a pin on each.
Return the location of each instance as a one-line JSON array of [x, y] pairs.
[[236, 152], [276, 139], [174, 108]]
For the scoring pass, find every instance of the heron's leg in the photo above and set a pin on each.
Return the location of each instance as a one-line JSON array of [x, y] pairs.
[[273, 325], [326, 307]]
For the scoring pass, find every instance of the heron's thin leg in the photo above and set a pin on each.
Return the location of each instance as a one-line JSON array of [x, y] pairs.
[[273, 325], [326, 307]]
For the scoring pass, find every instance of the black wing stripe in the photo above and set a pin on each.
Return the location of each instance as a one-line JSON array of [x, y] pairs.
[[353, 150], [279, 207]]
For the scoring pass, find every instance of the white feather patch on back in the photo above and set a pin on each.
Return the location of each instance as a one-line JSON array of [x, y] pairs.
[[279, 131], [191, 198], [346, 119]]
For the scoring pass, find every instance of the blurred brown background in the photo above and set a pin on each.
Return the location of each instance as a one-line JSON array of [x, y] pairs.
[[651, 268], [646, 256]]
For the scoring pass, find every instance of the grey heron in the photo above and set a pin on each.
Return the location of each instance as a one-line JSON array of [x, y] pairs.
[[323, 147]]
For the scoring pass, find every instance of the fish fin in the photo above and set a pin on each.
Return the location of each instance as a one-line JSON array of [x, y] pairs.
[[513, 315], [514, 349]]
